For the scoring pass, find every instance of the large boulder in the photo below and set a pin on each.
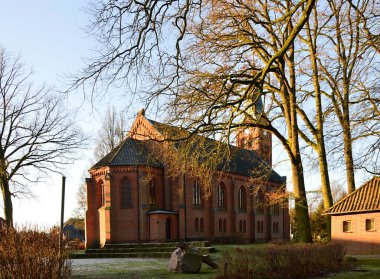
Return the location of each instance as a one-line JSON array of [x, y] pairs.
[[185, 259]]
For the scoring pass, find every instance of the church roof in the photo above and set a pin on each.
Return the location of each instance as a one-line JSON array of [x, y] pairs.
[[130, 152], [135, 152], [364, 199], [243, 161], [246, 162]]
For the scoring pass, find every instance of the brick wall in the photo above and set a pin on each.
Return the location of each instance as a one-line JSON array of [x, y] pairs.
[[358, 240], [113, 223]]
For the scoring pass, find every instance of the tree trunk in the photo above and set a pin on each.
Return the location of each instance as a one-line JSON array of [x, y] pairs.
[[7, 199], [319, 131], [301, 206], [349, 160], [326, 188]]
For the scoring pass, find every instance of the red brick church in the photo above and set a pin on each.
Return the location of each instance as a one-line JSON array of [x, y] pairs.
[[124, 206]]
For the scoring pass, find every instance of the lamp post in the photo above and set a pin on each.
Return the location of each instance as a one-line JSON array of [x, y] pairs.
[[62, 211]]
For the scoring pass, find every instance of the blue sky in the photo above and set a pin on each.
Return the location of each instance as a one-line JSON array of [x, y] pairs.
[[49, 37]]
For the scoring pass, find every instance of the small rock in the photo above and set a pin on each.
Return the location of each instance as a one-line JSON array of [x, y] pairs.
[[185, 260]]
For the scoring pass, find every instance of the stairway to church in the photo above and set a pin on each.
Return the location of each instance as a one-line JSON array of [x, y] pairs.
[[142, 250]]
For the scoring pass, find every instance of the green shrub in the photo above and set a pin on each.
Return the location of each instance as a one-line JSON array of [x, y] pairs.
[[282, 261], [29, 254]]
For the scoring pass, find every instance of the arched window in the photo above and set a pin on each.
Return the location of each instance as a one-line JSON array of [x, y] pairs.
[[196, 193], [260, 226], [100, 192], [275, 209], [220, 225], [152, 194], [202, 225], [224, 225], [222, 202], [260, 203], [197, 224], [125, 194], [240, 226], [244, 226], [242, 199], [275, 227]]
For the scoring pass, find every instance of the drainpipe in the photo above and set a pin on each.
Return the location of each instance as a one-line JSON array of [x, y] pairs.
[[138, 204], [184, 203]]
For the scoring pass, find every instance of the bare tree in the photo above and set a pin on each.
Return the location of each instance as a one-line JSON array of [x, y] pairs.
[[139, 37], [210, 61], [37, 132], [111, 133], [346, 71]]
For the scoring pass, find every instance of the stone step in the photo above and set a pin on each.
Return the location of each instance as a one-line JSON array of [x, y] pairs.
[[142, 250], [158, 244], [203, 250], [130, 250], [121, 255]]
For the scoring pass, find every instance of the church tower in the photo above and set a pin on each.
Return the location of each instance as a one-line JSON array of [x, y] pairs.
[[258, 140]]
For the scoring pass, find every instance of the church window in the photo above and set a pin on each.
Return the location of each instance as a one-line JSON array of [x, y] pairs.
[[260, 203], [242, 202], [152, 194], [126, 195], [100, 194], [275, 227], [202, 225], [197, 224], [196, 193], [276, 209], [240, 226], [222, 196], [244, 226], [260, 226], [220, 225]]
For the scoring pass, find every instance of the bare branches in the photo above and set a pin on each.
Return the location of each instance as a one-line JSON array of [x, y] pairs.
[[37, 132], [111, 133]]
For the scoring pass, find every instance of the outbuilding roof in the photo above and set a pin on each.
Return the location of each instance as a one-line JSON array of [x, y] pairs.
[[364, 199]]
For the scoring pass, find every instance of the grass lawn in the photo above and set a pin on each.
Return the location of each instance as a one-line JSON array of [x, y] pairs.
[[156, 268], [370, 269], [135, 268]]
